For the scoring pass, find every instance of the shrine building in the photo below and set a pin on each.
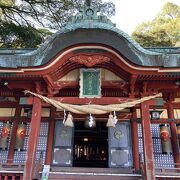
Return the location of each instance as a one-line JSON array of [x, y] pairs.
[[90, 103]]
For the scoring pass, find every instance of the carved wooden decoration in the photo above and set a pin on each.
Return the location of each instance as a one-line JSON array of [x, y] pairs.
[[89, 61]]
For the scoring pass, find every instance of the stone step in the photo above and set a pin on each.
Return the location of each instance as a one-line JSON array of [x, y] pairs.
[[78, 173], [91, 177]]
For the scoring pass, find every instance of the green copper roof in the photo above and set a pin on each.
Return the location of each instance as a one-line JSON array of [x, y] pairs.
[[99, 28]]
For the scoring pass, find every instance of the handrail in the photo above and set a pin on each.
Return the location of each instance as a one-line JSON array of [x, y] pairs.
[[163, 169], [9, 163], [169, 169], [11, 172]]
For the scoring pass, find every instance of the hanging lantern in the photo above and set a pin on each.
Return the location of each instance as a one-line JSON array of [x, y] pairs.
[[165, 139], [5, 135], [20, 136], [90, 122]]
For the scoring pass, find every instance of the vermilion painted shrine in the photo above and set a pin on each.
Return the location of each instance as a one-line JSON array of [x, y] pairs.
[[83, 121]]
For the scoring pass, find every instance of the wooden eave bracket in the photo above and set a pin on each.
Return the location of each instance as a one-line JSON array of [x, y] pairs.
[[51, 88], [48, 80], [132, 85]]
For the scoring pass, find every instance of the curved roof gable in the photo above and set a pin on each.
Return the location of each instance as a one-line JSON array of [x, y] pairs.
[[89, 28]]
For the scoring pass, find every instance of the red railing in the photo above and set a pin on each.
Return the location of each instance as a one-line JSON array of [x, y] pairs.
[[11, 176], [12, 171], [164, 173]]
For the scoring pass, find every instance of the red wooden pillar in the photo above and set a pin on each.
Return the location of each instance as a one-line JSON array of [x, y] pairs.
[[33, 140], [13, 136], [135, 147], [147, 142], [174, 139], [50, 138]]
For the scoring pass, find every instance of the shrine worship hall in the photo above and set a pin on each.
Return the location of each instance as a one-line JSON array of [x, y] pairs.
[[90, 103]]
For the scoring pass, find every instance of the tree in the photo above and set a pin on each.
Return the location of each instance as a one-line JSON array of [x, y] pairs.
[[164, 30], [32, 17], [18, 36]]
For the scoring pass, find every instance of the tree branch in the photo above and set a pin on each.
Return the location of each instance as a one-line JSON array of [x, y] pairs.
[[14, 20]]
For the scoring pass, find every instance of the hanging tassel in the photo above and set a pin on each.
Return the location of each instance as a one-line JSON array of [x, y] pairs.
[[110, 122], [64, 116], [69, 121], [91, 121], [115, 120]]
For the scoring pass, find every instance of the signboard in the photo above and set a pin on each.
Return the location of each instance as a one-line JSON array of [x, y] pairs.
[[90, 83]]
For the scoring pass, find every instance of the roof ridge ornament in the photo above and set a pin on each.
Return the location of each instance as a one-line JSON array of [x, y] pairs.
[[88, 15], [88, 2]]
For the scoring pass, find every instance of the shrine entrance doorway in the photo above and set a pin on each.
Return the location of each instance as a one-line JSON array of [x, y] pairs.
[[81, 146], [90, 145]]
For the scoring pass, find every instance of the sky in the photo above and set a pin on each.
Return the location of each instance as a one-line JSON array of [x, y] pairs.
[[130, 13]]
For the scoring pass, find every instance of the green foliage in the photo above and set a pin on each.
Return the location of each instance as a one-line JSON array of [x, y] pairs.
[[5, 3], [16, 36], [8, 3], [51, 14], [19, 19], [164, 30]]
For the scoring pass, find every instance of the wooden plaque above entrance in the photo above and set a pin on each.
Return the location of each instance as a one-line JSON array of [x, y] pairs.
[[90, 83]]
